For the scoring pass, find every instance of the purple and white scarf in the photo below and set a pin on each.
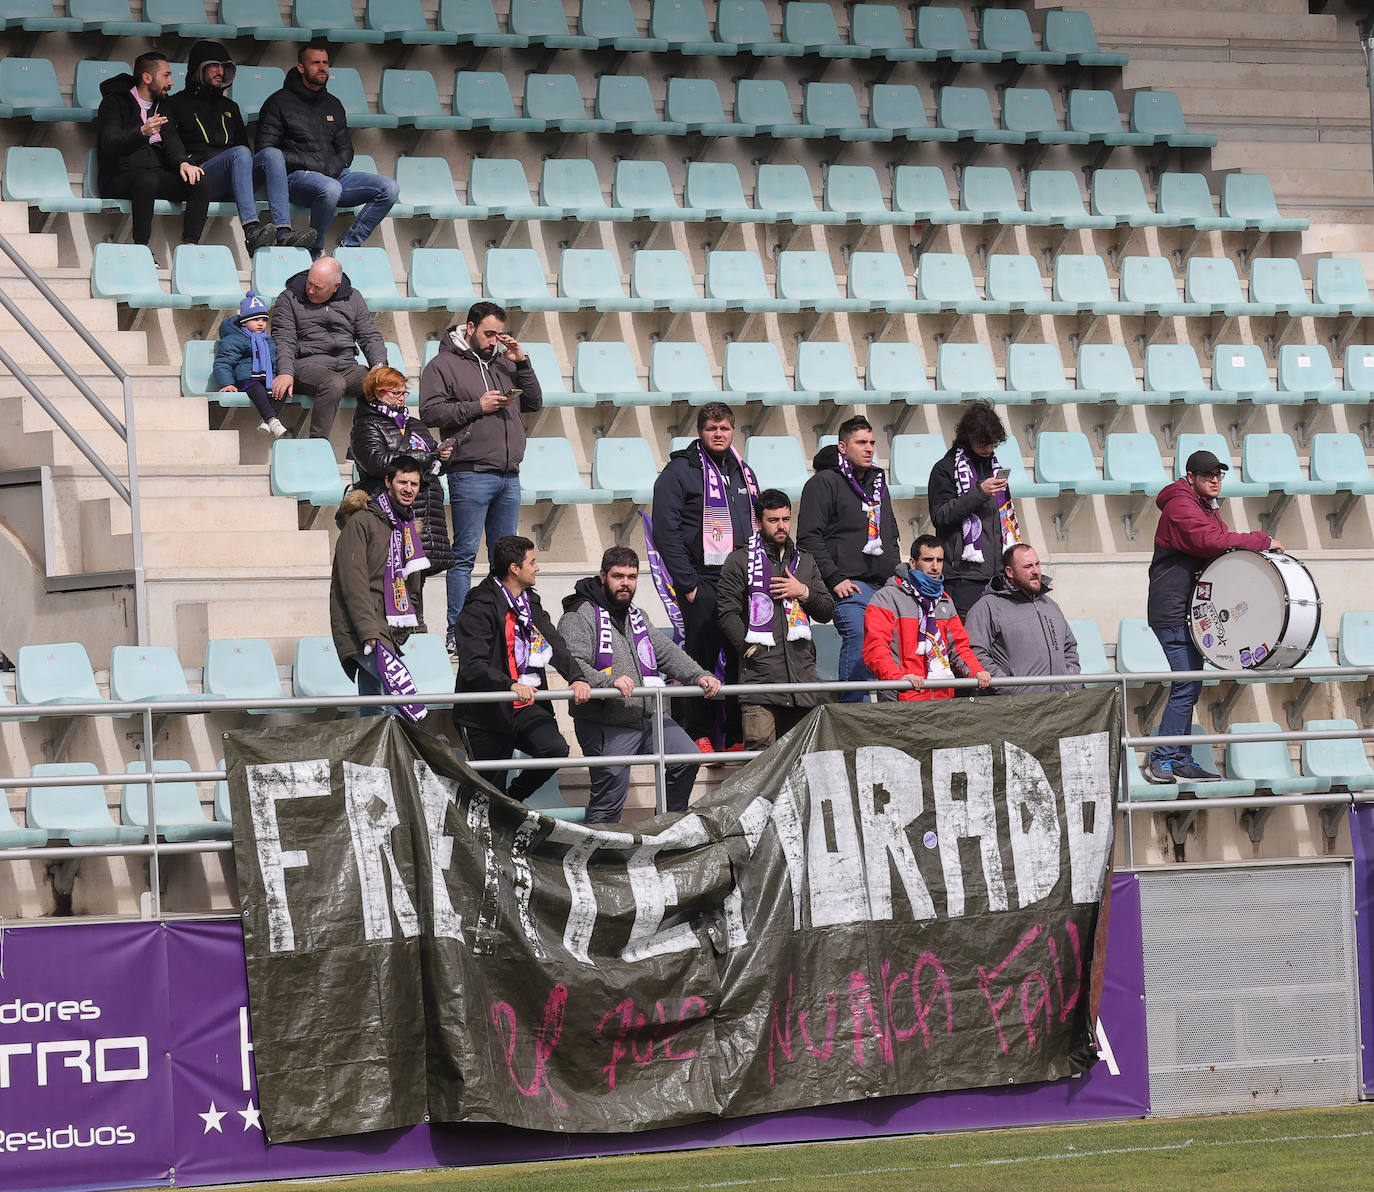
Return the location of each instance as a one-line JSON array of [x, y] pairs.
[[927, 591], [643, 646], [965, 480], [662, 583], [532, 652], [396, 680], [717, 526], [761, 599], [873, 508], [405, 555]]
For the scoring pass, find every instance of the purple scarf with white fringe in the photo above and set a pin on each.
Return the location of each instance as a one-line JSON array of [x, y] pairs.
[[761, 598], [405, 555], [643, 646]]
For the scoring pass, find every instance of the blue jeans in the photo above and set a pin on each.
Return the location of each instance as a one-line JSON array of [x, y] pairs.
[[235, 173], [370, 683], [1177, 719], [324, 195], [480, 500], [849, 620]]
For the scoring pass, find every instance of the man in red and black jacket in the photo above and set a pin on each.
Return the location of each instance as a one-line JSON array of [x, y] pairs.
[[505, 642]]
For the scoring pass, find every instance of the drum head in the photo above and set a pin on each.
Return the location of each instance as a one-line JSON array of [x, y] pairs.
[[1254, 610]]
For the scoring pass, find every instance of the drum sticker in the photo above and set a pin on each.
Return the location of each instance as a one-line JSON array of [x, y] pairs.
[[1204, 591], [1199, 612], [1240, 610], [1261, 653], [1207, 640], [1246, 658]]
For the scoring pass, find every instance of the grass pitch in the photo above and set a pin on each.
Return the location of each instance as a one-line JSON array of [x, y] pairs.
[[1327, 1149]]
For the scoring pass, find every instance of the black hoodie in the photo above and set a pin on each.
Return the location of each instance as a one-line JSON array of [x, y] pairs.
[[309, 127], [207, 120], [832, 526], [120, 146], [678, 510]]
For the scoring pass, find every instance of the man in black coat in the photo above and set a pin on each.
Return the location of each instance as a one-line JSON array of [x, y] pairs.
[[310, 127], [686, 498], [505, 641], [139, 154]]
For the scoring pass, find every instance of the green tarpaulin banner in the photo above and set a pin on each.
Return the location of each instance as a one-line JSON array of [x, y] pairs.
[[896, 898]]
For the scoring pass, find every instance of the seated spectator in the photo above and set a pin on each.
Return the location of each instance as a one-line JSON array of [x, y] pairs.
[[210, 126], [505, 642], [310, 128], [382, 431], [246, 361], [912, 632], [322, 321], [616, 647], [140, 157]]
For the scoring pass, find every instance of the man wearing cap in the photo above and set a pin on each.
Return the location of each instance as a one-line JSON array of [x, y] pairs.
[[1190, 535]]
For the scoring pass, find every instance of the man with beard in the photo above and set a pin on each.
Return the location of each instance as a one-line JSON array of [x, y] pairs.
[[770, 594], [1017, 629], [617, 647], [474, 391]]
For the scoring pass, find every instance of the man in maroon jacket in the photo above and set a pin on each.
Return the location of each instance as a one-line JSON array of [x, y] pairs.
[[1190, 535]]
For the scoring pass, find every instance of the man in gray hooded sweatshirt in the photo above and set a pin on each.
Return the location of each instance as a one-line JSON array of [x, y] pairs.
[[1016, 629]]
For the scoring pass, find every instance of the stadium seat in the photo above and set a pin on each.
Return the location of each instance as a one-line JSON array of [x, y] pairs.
[[549, 473], [945, 31], [1037, 373], [1015, 282], [1359, 373], [1339, 460], [1173, 370], [1341, 283], [1065, 458], [543, 22], [1343, 762], [332, 20], [474, 22], [431, 669], [835, 108], [547, 368], [765, 104], [316, 671], [13, 836], [880, 280], [274, 267], [1008, 31], [755, 371], [737, 277], [252, 86], [1355, 645], [827, 368], [1092, 651], [55, 674], [644, 189], [1107, 373], [141, 673], [242, 668], [180, 816], [1121, 195], [1133, 459], [36, 16], [968, 112], [426, 188], [412, 97], [1266, 763], [663, 277], [625, 101], [307, 470], [786, 190], [813, 27], [346, 85], [38, 176], [1030, 111], [591, 276], [778, 462], [404, 21], [1186, 199], [607, 372], [990, 194], [1272, 460], [683, 25], [695, 104], [613, 24], [207, 275], [197, 361], [483, 97], [1231, 484], [28, 87], [913, 456], [879, 29], [75, 812], [854, 191], [90, 76], [964, 373], [1021, 482], [557, 100], [682, 369], [944, 281], [1055, 193], [746, 25], [1137, 649], [1158, 114], [223, 813], [714, 187], [922, 192], [1095, 113], [1072, 34], [1305, 374], [500, 185], [369, 269], [900, 108], [1251, 198], [127, 273], [808, 278], [896, 372], [1149, 282], [1239, 373], [261, 20], [625, 468], [1082, 280], [1278, 282]]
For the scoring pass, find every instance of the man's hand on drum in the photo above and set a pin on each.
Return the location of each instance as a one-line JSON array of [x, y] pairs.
[[1275, 545]]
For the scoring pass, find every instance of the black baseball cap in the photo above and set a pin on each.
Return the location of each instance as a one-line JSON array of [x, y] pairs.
[[1204, 463]]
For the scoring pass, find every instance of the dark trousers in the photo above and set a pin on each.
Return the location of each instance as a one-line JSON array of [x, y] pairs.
[[263, 401], [610, 784], [142, 187], [317, 376], [964, 593], [533, 731], [703, 641]]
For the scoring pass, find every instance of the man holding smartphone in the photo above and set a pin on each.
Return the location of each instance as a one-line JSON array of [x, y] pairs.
[[474, 391]]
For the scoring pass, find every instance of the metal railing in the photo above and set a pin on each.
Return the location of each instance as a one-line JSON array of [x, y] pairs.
[[126, 490]]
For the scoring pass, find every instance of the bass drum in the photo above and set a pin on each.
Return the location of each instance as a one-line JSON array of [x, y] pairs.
[[1255, 610]]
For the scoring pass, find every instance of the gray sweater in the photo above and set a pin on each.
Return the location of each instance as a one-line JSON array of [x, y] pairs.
[[1014, 635]]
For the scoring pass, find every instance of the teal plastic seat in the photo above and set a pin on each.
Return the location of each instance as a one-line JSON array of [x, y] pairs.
[[369, 269], [1159, 114], [1008, 31], [28, 87], [1187, 200], [1022, 482], [1133, 459], [766, 106], [1015, 280], [625, 101], [334, 20], [1072, 34], [1343, 762], [990, 193], [1137, 649], [223, 810], [139, 673], [36, 16], [549, 473], [243, 667], [1107, 373], [412, 97], [900, 108], [544, 23], [808, 278], [1267, 764], [1173, 371], [1121, 195], [274, 267], [1355, 645], [682, 369], [1036, 372], [923, 193], [1340, 283], [1082, 280], [1305, 374], [316, 671], [755, 371], [405, 21], [966, 372], [968, 112], [644, 189], [547, 368], [778, 462], [714, 187], [1272, 460], [1149, 282], [625, 468], [1359, 373], [499, 185], [944, 281], [207, 275], [127, 273], [1092, 652], [55, 674], [835, 108], [879, 29], [827, 368], [197, 362], [473, 22], [483, 97], [813, 27], [1239, 373], [430, 667], [13, 836], [896, 372], [683, 25], [945, 31], [261, 20], [252, 86], [38, 176], [90, 76], [1095, 113], [425, 186], [1339, 460], [880, 280], [663, 278], [738, 278], [1065, 458], [76, 812], [1231, 483], [591, 277], [346, 85], [613, 23], [786, 190], [1055, 193], [1250, 197], [180, 816], [695, 104], [854, 191], [913, 456], [746, 25], [1030, 110], [307, 470], [1277, 282], [556, 99], [515, 277]]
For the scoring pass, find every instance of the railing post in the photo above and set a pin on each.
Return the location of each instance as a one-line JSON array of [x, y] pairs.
[[141, 627], [660, 762], [154, 861], [1124, 777]]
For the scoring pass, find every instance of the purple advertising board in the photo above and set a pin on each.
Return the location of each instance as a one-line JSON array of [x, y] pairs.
[[1362, 838], [126, 1059]]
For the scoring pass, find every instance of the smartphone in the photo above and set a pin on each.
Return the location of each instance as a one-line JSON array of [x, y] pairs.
[[515, 394], [1001, 474]]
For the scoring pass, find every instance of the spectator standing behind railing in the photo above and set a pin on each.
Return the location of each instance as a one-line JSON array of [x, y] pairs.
[[770, 595], [383, 430], [505, 642], [1016, 628], [617, 647]]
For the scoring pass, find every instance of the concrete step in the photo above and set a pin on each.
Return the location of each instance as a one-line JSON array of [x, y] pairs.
[[129, 349], [95, 314], [1342, 73], [1182, 21], [196, 511], [199, 548], [1351, 239], [1279, 104], [152, 415], [1297, 154], [184, 448], [39, 249], [14, 219], [299, 608], [1270, 7]]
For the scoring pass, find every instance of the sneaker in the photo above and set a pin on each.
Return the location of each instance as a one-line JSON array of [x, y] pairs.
[[258, 235], [289, 238], [1192, 772], [262, 426], [1159, 771], [276, 427], [451, 643], [706, 745]]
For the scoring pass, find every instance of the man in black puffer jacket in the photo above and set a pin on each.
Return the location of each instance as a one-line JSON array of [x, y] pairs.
[[310, 128], [211, 129]]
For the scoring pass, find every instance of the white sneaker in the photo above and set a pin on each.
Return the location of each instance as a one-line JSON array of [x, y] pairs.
[[276, 427], [262, 426]]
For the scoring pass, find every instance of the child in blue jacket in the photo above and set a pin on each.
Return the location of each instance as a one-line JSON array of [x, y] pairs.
[[246, 360]]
